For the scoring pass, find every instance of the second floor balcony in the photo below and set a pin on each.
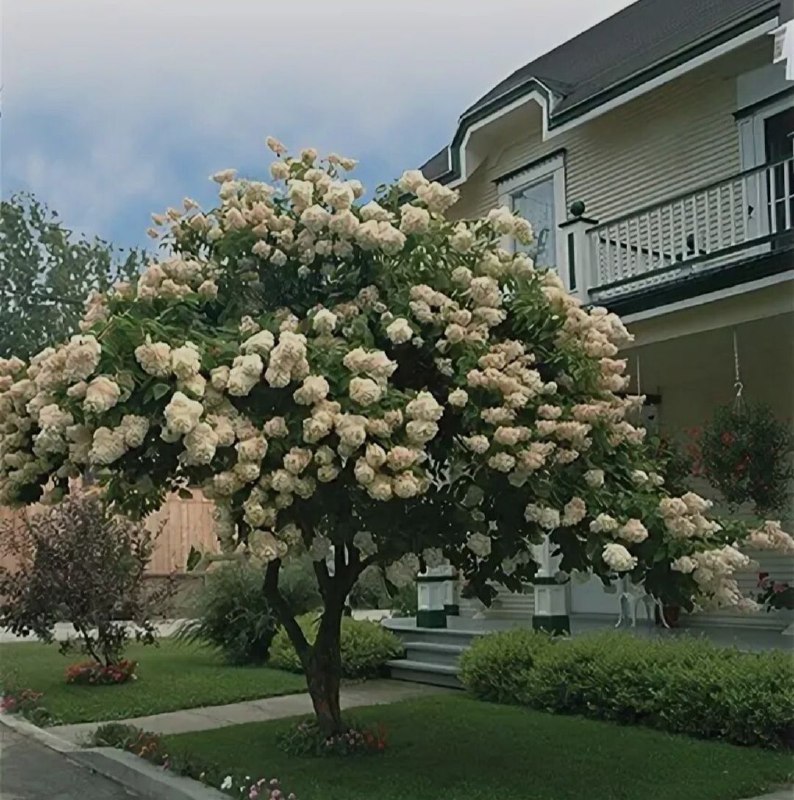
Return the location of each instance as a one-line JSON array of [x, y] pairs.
[[741, 222]]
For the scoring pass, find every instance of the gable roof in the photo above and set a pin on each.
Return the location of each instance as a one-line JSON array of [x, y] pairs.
[[642, 40]]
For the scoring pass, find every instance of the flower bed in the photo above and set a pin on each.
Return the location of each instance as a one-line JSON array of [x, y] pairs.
[[306, 739], [96, 674], [26, 703], [152, 748]]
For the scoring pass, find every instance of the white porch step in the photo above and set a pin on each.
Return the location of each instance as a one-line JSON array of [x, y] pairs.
[[431, 652], [405, 669]]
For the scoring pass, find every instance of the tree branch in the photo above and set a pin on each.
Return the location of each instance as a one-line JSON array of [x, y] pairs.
[[283, 611]]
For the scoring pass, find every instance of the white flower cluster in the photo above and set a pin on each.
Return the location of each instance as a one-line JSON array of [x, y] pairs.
[[273, 412]]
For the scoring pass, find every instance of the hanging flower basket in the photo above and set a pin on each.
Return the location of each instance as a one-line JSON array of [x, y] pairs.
[[745, 453]]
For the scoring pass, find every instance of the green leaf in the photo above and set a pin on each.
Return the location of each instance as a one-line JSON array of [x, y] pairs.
[[160, 390]]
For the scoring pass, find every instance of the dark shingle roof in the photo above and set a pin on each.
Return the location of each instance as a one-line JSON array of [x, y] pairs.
[[644, 35]]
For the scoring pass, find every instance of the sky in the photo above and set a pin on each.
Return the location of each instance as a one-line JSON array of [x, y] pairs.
[[113, 109]]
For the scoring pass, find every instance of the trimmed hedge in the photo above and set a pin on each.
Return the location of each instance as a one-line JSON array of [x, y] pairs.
[[366, 647], [681, 685]]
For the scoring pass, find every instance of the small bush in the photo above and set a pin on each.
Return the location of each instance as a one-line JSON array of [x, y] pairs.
[[683, 686], [365, 646], [233, 616], [79, 562], [306, 739]]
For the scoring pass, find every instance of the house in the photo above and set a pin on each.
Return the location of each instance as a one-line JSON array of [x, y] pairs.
[[654, 156]]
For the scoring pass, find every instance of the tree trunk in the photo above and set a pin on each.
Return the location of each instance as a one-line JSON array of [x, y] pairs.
[[323, 669], [322, 660]]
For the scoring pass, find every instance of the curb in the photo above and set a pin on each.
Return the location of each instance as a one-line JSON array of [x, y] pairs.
[[125, 769]]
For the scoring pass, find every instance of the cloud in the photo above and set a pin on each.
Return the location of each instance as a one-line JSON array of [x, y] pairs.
[[113, 108]]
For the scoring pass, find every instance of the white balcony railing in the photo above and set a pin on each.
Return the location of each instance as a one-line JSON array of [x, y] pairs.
[[732, 220]]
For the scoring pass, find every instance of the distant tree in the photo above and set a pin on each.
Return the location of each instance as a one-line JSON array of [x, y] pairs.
[[46, 272]]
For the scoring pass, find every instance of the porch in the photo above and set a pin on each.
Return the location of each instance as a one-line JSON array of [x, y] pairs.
[[721, 234], [432, 654]]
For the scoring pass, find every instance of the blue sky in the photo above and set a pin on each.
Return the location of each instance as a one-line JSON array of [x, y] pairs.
[[112, 109]]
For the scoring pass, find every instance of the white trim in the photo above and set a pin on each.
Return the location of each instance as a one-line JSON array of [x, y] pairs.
[[753, 133], [692, 302], [547, 133], [676, 72], [533, 96], [552, 167]]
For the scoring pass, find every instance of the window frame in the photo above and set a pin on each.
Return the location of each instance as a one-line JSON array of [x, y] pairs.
[[550, 167]]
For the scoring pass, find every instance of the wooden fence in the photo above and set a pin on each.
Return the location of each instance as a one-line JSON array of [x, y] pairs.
[[186, 524]]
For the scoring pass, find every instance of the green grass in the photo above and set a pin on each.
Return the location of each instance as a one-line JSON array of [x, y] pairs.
[[458, 748], [172, 676]]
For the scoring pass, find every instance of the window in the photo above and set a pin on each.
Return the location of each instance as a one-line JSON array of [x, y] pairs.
[[536, 203], [537, 193]]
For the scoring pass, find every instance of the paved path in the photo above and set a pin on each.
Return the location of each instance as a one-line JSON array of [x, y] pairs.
[[370, 693], [30, 771]]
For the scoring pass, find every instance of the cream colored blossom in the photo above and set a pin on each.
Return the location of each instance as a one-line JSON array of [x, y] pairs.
[[420, 431], [261, 343], [134, 429], [424, 407], [479, 544], [399, 331], [313, 389], [324, 321], [594, 478], [574, 512], [683, 564], [618, 558], [276, 428], [107, 446], [182, 414], [546, 517], [154, 358], [477, 444], [414, 219], [603, 523], [200, 444], [363, 472], [633, 531], [406, 485], [297, 459], [365, 391], [380, 488], [101, 395], [244, 375], [458, 398], [185, 361]]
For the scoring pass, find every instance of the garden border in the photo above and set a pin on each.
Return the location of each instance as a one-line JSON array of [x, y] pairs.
[[125, 769]]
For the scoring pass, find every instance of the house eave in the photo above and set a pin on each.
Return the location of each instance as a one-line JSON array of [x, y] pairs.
[[555, 120]]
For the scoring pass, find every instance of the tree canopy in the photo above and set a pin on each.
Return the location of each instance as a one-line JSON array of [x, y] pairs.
[[46, 273], [369, 380]]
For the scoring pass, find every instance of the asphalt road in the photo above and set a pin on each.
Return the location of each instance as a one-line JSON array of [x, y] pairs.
[[29, 771]]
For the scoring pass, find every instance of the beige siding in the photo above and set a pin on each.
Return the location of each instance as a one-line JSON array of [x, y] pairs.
[[675, 138]]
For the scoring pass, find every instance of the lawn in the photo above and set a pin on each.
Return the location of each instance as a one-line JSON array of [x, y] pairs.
[[458, 748], [171, 676]]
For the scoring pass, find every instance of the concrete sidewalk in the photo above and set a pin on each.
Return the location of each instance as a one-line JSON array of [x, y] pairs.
[[370, 693]]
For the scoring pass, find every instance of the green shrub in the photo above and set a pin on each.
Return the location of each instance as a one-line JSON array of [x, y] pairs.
[[684, 685], [365, 646], [233, 616]]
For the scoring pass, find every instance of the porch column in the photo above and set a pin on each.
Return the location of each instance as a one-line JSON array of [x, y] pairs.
[[435, 589], [551, 599], [578, 273]]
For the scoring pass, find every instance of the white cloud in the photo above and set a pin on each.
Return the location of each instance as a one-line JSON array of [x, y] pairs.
[[142, 87]]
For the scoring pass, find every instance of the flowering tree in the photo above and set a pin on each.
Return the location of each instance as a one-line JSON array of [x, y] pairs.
[[367, 380]]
